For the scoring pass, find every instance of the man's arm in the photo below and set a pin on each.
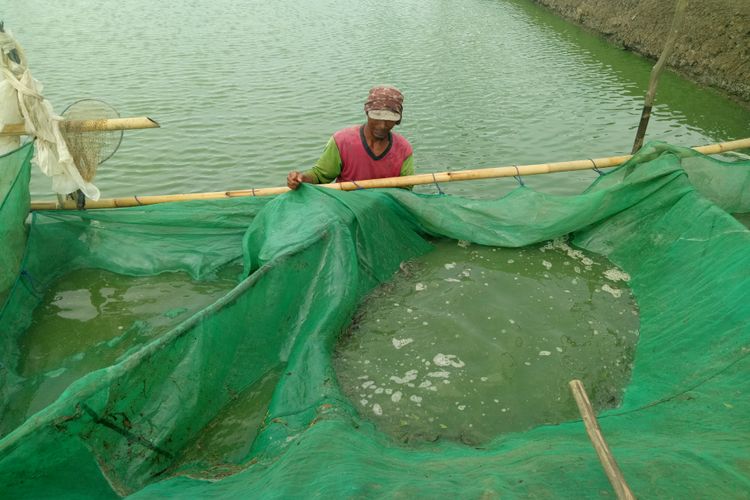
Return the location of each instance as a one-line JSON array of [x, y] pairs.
[[327, 168], [407, 168]]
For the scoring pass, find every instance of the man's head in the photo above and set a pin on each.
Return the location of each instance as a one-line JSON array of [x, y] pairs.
[[385, 102]]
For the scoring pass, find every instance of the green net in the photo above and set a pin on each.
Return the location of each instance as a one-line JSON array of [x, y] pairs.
[[136, 422], [15, 172]]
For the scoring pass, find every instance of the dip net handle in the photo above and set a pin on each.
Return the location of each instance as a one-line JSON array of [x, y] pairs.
[[133, 123]]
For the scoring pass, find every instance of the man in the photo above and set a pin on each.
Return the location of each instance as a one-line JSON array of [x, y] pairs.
[[369, 151]]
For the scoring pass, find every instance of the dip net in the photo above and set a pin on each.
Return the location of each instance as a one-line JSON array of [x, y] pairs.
[[90, 148], [230, 390]]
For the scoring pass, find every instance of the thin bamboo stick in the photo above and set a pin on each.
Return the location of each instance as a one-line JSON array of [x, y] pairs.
[[653, 82], [103, 125], [411, 180], [614, 474]]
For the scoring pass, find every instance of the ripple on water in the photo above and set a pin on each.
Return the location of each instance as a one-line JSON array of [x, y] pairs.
[[486, 84]]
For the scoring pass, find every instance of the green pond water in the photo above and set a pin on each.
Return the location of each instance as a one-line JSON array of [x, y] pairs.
[[91, 319], [227, 439], [246, 91], [469, 342]]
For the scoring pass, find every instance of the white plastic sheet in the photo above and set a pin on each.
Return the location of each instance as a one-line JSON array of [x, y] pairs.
[[21, 100]]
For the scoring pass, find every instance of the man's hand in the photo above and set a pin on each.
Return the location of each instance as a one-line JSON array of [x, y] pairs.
[[294, 179]]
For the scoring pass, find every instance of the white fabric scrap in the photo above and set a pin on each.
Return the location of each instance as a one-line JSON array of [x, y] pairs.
[[51, 153]]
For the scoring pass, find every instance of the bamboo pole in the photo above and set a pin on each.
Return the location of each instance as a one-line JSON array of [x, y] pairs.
[[614, 474], [679, 15], [103, 125], [410, 180]]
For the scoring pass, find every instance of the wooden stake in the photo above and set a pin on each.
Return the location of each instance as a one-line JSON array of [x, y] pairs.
[[614, 474], [679, 15], [89, 125], [411, 180]]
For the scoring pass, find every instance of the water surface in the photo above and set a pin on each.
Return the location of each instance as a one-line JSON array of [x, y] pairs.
[[246, 91], [470, 342], [90, 319]]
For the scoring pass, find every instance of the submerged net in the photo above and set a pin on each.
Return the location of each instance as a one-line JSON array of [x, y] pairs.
[[151, 419]]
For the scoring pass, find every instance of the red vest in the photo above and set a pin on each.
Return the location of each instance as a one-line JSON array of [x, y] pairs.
[[359, 163]]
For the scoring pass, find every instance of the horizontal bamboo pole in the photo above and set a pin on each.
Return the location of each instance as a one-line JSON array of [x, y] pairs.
[[410, 180], [103, 125], [614, 474]]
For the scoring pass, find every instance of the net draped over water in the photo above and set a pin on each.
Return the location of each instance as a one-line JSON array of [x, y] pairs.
[[133, 425]]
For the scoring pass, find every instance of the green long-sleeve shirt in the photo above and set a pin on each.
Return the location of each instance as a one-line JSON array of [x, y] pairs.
[[328, 166]]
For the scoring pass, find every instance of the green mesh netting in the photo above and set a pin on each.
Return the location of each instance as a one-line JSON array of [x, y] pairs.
[[310, 256], [15, 172]]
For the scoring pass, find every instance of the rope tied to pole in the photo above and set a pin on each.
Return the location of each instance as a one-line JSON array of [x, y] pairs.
[[518, 177], [434, 179], [595, 168]]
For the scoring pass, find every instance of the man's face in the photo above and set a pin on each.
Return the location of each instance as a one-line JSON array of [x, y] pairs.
[[380, 128]]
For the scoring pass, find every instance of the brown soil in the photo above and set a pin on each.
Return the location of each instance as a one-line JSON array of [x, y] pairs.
[[713, 47]]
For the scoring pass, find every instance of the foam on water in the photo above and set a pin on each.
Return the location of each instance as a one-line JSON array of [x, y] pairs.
[[488, 341]]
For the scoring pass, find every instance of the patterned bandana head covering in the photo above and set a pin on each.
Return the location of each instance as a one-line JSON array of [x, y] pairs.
[[385, 102]]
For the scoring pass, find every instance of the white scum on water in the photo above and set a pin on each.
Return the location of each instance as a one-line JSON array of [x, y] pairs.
[[614, 292], [615, 274], [399, 343], [416, 388]]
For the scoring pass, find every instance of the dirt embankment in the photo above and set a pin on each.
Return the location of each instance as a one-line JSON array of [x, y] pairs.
[[713, 47]]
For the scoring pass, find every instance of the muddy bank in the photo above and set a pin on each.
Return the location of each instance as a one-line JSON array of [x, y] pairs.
[[714, 43]]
